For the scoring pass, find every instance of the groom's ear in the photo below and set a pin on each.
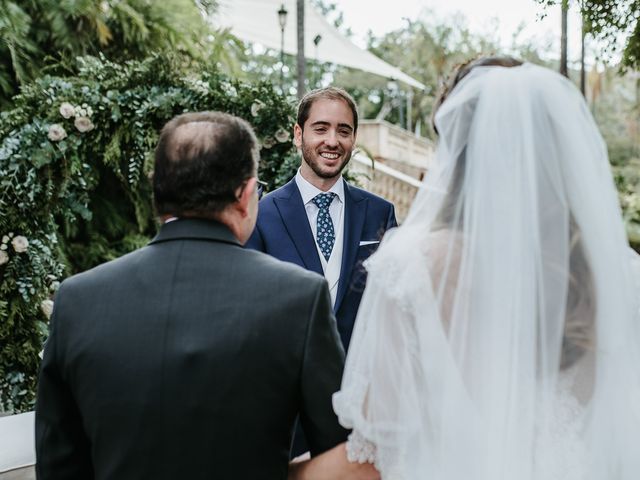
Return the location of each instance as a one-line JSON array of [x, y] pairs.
[[297, 135]]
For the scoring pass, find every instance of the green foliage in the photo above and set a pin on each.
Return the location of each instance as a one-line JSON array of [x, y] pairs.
[[75, 154], [425, 50], [47, 35], [628, 183], [609, 20]]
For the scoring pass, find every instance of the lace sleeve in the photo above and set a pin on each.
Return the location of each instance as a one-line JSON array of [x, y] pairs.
[[378, 391], [359, 449]]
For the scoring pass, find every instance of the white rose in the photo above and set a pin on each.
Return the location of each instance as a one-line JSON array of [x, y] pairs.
[[256, 107], [282, 135], [5, 238], [56, 133], [67, 110], [47, 307], [83, 124], [268, 142], [20, 244], [4, 257]]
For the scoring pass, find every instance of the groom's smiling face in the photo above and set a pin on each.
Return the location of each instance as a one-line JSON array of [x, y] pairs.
[[326, 139]]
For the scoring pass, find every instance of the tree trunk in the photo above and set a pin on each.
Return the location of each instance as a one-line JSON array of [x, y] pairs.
[[583, 74], [300, 57], [563, 39]]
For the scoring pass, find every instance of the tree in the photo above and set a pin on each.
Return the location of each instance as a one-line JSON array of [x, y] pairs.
[[425, 51], [301, 60], [49, 34], [609, 20], [331, 11], [563, 38]]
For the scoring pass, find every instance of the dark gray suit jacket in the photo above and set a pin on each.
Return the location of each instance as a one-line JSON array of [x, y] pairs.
[[189, 358]]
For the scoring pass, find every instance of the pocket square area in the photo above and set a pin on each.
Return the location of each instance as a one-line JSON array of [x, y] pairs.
[[368, 242]]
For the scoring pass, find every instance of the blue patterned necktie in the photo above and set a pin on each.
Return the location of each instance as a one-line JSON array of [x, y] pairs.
[[325, 235]]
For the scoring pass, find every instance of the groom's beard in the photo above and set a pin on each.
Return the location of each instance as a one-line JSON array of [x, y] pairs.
[[312, 157]]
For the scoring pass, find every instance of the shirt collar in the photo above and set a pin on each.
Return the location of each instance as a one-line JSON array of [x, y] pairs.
[[308, 191]]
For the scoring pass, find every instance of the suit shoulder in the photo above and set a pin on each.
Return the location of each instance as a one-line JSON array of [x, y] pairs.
[[103, 273], [271, 267], [267, 203], [372, 197], [284, 190]]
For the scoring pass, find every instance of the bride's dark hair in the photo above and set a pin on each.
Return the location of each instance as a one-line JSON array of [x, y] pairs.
[[581, 302], [462, 70]]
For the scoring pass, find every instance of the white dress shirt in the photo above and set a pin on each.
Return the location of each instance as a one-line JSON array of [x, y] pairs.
[[308, 192]]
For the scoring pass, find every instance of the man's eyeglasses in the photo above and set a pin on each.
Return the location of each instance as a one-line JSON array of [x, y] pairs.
[[261, 187]]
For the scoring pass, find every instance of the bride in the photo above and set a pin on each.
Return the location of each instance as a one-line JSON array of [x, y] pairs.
[[499, 337]]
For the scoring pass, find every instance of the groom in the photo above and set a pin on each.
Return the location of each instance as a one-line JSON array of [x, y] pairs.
[[318, 220]]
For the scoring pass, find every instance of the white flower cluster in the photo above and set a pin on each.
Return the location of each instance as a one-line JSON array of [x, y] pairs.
[[280, 136], [268, 142], [19, 244], [68, 110], [82, 115], [199, 86], [56, 132], [47, 307], [256, 106]]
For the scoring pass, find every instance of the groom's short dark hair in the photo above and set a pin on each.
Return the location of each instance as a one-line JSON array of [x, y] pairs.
[[200, 161], [329, 93]]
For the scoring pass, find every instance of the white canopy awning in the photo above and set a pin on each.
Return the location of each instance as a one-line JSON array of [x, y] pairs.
[[256, 21]]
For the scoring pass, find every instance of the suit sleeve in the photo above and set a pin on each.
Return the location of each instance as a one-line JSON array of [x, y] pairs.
[[255, 241], [63, 450], [323, 363]]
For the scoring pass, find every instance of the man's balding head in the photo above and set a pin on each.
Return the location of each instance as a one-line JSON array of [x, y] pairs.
[[200, 161]]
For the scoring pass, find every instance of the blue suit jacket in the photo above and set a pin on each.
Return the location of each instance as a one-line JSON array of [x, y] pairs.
[[283, 231]]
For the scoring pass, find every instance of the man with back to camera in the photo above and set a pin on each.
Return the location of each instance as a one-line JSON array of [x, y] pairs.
[[190, 357]]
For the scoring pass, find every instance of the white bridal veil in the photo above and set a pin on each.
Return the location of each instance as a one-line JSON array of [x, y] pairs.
[[498, 336]]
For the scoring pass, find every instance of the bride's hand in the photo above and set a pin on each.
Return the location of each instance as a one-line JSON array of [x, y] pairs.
[[331, 465], [302, 458]]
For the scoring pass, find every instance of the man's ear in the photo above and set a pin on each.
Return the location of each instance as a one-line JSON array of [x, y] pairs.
[[244, 194], [297, 135]]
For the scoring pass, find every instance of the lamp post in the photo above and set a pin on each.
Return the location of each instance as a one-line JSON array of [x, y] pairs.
[[316, 42], [282, 20]]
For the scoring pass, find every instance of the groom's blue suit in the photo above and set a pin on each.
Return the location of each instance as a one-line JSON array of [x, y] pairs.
[[283, 231]]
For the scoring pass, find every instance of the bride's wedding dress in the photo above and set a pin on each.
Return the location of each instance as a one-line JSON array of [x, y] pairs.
[[499, 334]]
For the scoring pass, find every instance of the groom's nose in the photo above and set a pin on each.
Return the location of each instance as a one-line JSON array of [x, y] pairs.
[[331, 139]]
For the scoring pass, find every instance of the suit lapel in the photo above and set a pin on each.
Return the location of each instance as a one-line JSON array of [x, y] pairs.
[[294, 216], [355, 213]]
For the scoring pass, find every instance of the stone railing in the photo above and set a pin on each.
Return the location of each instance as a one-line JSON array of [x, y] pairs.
[[400, 160], [397, 147], [397, 187]]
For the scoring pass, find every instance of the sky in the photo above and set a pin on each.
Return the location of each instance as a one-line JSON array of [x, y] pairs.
[[481, 16]]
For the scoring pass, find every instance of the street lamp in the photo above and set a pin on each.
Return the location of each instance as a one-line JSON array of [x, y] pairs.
[[282, 20], [316, 41]]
